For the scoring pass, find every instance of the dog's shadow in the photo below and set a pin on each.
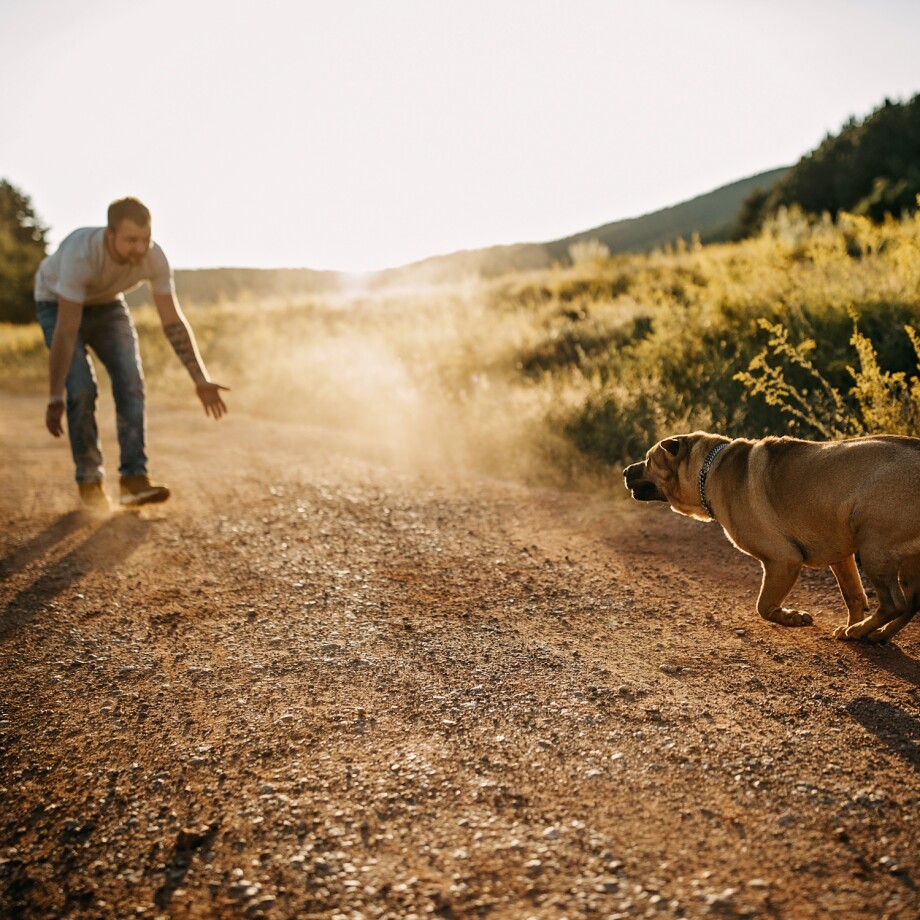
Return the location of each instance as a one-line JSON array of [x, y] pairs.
[[896, 728], [890, 658]]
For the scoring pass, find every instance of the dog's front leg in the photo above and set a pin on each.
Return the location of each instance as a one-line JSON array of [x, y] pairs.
[[778, 579], [851, 587]]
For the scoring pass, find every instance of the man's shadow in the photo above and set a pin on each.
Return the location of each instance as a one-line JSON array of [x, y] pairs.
[[63, 527], [104, 549]]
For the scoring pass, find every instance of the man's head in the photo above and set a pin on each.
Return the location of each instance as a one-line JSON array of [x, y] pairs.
[[128, 232]]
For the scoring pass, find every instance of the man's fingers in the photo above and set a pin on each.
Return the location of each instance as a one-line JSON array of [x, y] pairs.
[[215, 409], [53, 420]]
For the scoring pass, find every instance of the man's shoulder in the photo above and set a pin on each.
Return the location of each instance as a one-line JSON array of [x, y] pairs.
[[156, 258], [84, 239]]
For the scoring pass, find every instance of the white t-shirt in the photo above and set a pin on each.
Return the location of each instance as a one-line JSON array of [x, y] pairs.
[[82, 270]]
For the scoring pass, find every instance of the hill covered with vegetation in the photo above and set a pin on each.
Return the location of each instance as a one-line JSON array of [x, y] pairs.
[[870, 168]]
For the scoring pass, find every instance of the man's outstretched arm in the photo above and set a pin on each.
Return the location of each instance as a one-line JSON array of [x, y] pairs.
[[182, 339]]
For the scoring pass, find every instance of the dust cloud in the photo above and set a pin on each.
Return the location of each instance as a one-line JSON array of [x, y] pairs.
[[422, 378]]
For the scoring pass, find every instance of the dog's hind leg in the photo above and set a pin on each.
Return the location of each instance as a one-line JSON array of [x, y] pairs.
[[851, 587], [909, 578], [892, 604], [778, 579], [890, 628]]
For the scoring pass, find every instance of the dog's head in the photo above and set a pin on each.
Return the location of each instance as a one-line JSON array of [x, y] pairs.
[[670, 472]]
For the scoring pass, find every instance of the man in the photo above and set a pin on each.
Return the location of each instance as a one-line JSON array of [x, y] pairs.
[[79, 302]]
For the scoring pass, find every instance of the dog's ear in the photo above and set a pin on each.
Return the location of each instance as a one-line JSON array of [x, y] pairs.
[[672, 445]]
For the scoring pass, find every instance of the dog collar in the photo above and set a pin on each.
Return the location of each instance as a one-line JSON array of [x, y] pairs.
[[704, 472]]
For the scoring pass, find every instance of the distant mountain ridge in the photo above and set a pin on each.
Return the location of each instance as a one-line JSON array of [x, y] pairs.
[[712, 215]]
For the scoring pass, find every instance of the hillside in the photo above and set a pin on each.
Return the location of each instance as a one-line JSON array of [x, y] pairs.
[[712, 215]]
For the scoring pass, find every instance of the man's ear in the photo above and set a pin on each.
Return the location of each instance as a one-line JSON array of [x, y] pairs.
[[671, 445]]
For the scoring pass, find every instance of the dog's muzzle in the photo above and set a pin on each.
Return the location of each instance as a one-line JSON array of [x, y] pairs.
[[643, 490]]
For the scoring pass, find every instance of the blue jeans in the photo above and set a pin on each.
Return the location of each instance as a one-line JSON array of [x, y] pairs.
[[109, 331]]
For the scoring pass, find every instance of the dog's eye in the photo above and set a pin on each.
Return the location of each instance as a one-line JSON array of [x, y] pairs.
[[672, 446]]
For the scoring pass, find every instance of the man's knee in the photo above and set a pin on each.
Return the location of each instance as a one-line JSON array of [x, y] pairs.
[[129, 386], [81, 396]]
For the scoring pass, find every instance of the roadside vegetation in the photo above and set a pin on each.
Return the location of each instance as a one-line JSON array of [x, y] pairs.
[[807, 329]]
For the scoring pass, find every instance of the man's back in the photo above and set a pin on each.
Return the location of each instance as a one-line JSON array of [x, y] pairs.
[[81, 270]]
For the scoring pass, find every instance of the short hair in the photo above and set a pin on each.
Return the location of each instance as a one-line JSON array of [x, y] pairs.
[[128, 209]]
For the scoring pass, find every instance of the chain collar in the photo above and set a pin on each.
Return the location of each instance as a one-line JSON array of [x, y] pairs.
[[704, 472]]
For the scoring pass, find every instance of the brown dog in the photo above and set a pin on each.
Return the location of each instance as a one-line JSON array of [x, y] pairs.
[[792, 503]]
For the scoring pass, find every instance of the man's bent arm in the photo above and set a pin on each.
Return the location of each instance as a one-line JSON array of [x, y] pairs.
[[182, 339], [180, 336]]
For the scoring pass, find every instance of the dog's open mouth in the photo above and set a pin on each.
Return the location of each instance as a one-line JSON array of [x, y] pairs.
[[645, 491], [642, 490]]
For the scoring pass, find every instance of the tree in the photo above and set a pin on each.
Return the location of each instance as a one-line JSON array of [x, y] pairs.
[[751, 216], [22, 247], [870, 168]]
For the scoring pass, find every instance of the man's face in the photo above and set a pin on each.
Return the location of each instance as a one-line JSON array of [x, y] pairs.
[[129, 242]]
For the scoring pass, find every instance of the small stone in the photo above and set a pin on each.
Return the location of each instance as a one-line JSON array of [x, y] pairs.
[[551, 833], [724, 900], [870, 797]]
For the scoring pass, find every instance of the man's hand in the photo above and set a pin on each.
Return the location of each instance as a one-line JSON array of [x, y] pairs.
[[53, 415], [209, 394]]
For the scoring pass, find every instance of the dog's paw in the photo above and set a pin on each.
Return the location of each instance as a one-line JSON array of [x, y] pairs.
[[877, 638], [787, 617], [856, 631]]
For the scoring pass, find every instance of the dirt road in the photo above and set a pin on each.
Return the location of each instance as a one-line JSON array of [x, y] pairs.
[[320, 684]]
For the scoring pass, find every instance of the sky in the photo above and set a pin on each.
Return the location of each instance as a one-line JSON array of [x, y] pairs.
[[360, 134]]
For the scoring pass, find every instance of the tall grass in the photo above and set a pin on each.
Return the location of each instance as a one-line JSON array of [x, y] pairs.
[[808, 329]]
